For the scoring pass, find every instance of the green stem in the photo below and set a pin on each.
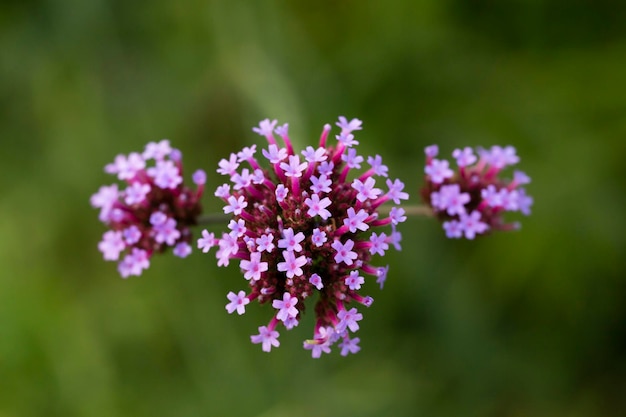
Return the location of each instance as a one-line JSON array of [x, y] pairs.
[[417, 210]]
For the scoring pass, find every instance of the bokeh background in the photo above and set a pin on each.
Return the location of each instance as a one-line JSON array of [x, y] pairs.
[[531, 323]]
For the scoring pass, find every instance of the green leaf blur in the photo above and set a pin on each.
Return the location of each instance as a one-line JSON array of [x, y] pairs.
[[531, 323]]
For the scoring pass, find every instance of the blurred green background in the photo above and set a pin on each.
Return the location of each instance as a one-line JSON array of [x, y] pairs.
[[518, 324]]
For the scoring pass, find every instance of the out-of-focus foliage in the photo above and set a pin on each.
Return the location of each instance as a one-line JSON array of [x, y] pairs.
[[519, 324]]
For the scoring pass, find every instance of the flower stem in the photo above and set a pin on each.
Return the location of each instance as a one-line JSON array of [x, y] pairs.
[[411, 211]]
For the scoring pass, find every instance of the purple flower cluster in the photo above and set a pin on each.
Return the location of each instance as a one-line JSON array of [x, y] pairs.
[[153, 211], [471, 200], [303, 225]]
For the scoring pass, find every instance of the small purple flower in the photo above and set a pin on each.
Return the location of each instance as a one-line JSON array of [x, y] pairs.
[[520, 178], [351, 159], [316, 280], [207, 241], [290, 322], [453, 229], [246, 153], [228, 247], [281, 193], [238, 302], [395, 192], [176, 155], [366, 190], [500, 157], [317, 348], [379, 244], [344, 252], [274, 154], [381, 275], [509, 199], [126, 167], [395, 238], [267, 337], [134, 263], [292, 266], [131, 234], [254, 267], [294, 168], [265, 243], [325, 168], [166, 232], [438, 171], [136, 193], [199, 177], [286, 307], [431, 151], [349, 126], [105, 199], [347, 139], [321, 184], [317, 207], [349, 319], [452, 199], [354, 281], [397, 215], [464, 157], [313, 155], [319, 237], [377, 165], [241, 180], [291, 241], [157, 150], [266, 127], [237, 227], [282, 130], [182, 250], [235, 205], [471, 224], [112, 245], [223, 191], [258, 177], [491, 196], [524, 202], [228, 166], [356, 220], [166, 175], [158, 218], [349, 345]]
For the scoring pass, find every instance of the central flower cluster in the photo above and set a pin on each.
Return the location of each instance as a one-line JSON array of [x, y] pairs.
[[304, 226]]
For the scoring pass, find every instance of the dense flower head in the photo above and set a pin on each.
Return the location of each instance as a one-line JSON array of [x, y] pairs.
[[306, 225], [153, 210], [471, 200]]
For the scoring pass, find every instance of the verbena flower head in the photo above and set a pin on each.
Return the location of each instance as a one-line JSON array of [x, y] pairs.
[[305, 225], [472, 199], [151, 211]]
